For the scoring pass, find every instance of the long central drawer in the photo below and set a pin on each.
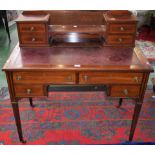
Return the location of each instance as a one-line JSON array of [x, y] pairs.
[[44, 77]]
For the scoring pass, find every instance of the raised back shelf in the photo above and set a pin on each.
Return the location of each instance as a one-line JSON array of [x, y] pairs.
[[77, 28]]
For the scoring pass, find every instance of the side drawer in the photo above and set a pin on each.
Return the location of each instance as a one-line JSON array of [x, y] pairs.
[[122, 28], [31, 27], [110, 78], [32, 38], [120, 39], [29, 90], [124, 91], [44, 77]]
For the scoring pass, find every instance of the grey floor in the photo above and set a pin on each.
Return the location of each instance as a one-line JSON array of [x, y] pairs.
[[5, 49]]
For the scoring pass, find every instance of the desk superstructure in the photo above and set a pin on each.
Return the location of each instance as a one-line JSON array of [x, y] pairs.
[[77, 51]]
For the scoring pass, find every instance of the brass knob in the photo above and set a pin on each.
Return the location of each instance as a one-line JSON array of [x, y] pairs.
[[122, 28], [32, 28], [85, 77], [33, 39], [120, 39], [136, 79], [29, 91], [18, 77], [125, 92], [69, 78]]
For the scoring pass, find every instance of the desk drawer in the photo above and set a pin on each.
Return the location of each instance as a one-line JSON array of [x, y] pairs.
[[122, 28], [29, 90], [110, 78], [125, 91], [120, 39], [31, 27], [44, 77], [32, 38]]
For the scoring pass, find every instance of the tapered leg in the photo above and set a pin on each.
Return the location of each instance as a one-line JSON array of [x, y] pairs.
[[31, 102], [18, 121], [137, 110], [120, 103]]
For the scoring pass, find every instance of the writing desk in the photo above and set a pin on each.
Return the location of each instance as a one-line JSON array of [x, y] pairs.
[[123, 71]]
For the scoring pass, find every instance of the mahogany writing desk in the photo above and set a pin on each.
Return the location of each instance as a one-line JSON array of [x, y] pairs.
[[77, 48], [123, 70]]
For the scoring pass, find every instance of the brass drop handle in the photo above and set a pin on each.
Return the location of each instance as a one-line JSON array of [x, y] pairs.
[[122, 28], [125, 92], [33, 39], [29, 91], [85, 77], [32, 28], [18, 77], [136, 79], [69, 78], [120, 39]]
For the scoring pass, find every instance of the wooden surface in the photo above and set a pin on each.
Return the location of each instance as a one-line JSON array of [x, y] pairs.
[[102, 59], [116, 65], [71, 17], [122, 71], [120, 19], [33, 18], [89, 27]]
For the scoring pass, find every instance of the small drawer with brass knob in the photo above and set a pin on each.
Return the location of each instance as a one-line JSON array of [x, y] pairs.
[[28, 90], [122, 28], [33, 37], [29, 27], [125, 91], [120, 39]]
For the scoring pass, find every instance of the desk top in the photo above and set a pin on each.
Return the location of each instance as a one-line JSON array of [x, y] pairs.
[[77, 58]]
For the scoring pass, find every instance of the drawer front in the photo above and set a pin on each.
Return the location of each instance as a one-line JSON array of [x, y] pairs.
[[32, 38], [32, 27], [125, 91], [120, 39], [122, 28], [29, 90], [110, 78], [44, 77]]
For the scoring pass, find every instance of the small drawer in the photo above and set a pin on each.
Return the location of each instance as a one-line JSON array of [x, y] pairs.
[[31, 27], [122, 28], [110, 78], [32, 38], [44, 77], [120, 39], [29, 90], [124, 91]]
